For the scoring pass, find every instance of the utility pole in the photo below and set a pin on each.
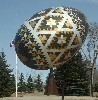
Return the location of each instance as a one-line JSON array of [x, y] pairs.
[[63, 90], [16, 75]]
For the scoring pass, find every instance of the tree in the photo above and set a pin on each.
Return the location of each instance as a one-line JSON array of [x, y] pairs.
[[38, 84], [72, 76], [30, 84], [96, 87], [90, 51], [13, 85], [47, 79], [21, 84], [7, 79], [90, 47]]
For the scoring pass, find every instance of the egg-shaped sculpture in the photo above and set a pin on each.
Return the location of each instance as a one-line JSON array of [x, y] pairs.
[[50, 37]]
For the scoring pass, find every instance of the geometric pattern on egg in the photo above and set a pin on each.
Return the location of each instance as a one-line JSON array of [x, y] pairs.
[[50, 37]]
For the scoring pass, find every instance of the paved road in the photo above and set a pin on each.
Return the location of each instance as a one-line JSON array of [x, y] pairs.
[[49, 98]]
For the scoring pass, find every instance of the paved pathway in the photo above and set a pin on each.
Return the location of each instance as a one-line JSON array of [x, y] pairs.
[[49, 98]]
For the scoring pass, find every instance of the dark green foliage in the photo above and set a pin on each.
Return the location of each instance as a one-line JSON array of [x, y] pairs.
[[13, 85], [96, 87], [38, 84], [73, 75], [47, 79], [7, 80], [30, 84], [21, 84]]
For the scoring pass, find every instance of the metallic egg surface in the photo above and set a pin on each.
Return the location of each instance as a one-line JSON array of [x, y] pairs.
[[50, 37]]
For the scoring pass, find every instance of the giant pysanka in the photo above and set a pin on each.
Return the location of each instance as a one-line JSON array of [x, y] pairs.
[[50, 37]]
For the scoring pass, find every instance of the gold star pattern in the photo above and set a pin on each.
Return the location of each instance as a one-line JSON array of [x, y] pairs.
[[39, 52], [59, 11], [76, 40], [42, 38], [32, 23], [34, 54], [52, 56], [42, 60], [50, 37], [29, 46], [25, 40], [68, 24], [34, 44], [23, 58], [51, 22], [29, 36]]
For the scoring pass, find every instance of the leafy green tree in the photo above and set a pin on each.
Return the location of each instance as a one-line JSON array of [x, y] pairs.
[[38, 84], [30, 84], [21, 84], [73, 76], [7, 79]]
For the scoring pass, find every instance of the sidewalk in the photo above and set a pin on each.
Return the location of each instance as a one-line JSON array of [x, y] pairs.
[[49, 98]]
